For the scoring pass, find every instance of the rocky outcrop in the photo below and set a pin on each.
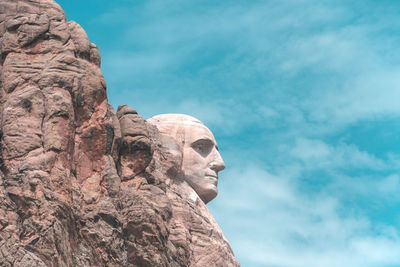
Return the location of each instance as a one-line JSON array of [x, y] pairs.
[[81, 185]]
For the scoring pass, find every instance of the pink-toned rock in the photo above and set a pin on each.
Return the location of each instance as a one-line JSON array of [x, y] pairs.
[[79, 184], [136, 149]]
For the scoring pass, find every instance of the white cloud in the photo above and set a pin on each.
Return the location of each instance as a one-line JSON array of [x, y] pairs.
[[316, 154], [367, 96], [377, 251], [390, 185], [278, 224]]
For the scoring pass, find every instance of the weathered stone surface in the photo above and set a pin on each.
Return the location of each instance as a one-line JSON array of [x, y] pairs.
[[79, 184], [136, 149]]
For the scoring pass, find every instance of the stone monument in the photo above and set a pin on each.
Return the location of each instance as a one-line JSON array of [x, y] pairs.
[[200, 158], [81, 184]]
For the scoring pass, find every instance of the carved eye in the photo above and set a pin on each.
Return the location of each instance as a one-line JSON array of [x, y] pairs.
[[203, 146]]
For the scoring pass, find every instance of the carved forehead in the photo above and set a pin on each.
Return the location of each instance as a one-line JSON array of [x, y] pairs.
[[197, 132]]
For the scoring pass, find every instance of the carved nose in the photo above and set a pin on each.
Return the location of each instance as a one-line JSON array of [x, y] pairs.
[[218, 163]]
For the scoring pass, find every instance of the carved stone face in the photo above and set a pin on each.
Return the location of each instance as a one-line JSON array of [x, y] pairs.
[[201, 160]]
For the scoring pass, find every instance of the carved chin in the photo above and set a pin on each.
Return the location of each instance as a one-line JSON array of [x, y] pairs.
[[206, 186], [208, 194]]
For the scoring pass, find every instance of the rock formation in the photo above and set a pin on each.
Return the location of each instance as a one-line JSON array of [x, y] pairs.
[[81, 185]]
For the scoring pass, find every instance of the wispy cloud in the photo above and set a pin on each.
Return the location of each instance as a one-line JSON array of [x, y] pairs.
[[316, 154], [280, 225]]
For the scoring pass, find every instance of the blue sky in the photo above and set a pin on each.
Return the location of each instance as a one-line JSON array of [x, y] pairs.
[[303, 99]]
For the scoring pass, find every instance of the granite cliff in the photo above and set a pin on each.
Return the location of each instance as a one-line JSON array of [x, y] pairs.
[[81, 184]]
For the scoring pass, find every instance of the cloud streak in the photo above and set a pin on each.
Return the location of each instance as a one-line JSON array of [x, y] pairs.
[[280, 225]]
